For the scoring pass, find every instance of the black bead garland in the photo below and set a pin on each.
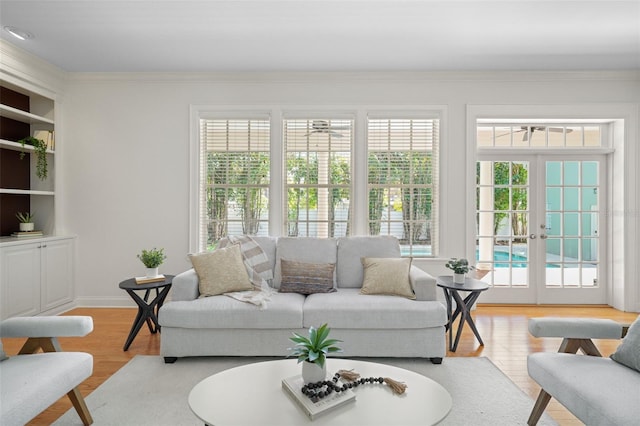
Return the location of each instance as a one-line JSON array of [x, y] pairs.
[[318, 390]]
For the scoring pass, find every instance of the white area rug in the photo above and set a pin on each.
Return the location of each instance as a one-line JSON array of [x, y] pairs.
[[147, 391]]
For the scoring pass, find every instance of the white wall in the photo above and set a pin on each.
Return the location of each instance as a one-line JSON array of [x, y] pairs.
[[126, 147]]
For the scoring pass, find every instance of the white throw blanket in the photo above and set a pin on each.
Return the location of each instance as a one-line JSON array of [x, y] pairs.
[[258, 268]]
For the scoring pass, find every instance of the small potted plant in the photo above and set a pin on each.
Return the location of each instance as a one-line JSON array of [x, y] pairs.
[[26, 221], [459, 267], [40, 148], [312, 351], [152, 259]]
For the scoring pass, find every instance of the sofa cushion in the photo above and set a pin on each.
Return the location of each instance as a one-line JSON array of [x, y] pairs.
[[349, 309], [628, 353], [303, 249], [582, 384], [349, 271], [306, 278], [284, 310], [221, 271], [388, 276]]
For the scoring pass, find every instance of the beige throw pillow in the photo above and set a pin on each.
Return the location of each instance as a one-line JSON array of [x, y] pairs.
[[628, 353], [306, 278], [221, 271], [388, 276]]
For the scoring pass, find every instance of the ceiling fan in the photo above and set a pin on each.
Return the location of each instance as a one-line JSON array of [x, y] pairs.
[[530, 129], [323, 126]]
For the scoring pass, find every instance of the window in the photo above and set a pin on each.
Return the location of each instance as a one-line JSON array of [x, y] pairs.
[[325, 175], [540, 135], [402, 181], [234, 178], [318, 177]]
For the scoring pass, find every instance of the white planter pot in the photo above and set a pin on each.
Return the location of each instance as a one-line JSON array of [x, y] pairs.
[[152, 272], [312, 372], [458, 278], [26, 227]]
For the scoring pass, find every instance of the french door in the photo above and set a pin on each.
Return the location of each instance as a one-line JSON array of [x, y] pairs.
[[540, 228]]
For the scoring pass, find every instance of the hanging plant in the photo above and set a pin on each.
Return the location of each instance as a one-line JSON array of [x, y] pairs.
[[40, 148]]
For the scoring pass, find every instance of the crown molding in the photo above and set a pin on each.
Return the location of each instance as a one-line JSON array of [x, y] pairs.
[[391, 76], [37, 73]]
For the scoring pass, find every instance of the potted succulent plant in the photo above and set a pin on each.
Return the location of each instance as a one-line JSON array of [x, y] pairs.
[[152, 259], [459, 267], [26, 221], [312, 351], [40, 148]]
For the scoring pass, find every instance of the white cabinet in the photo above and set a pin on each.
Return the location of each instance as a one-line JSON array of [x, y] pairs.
[[37, 276]]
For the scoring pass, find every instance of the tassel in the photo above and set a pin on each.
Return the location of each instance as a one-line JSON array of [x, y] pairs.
[[397, 387], [349, 375]]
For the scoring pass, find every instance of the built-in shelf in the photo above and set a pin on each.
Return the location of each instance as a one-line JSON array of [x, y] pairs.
[[15, 146], [23, 116], [25, 192]]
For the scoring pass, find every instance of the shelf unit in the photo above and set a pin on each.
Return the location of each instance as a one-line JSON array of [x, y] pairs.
[[23, 112]]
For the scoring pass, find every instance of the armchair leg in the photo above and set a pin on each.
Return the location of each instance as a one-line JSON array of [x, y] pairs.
[[539, 407], [78, 403]]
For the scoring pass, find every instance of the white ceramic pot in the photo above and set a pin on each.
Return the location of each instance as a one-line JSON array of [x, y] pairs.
[[458, 278], [26, 227], [312, 372], [152, 272]]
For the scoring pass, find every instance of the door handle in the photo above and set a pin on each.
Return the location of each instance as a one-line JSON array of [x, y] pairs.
[[543, 237], [532, 236]]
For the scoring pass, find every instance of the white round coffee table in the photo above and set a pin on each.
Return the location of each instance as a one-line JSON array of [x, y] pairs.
[[252, 395]]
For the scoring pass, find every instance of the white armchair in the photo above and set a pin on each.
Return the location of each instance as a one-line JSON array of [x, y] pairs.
[[30, 382], [597, 390]]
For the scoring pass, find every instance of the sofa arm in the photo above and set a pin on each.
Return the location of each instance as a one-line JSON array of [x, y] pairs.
[[184, 286], [63, 326], [423, 284], [575, 328]]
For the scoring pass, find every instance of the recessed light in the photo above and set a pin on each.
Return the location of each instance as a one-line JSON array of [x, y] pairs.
[[18, 33]]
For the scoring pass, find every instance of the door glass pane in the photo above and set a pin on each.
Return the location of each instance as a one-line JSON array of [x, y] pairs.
[[570, 250], [554, 198], [554, 173], [553, 225], [571, 199], [589, 224], [589, 198], [571, 173], [589, 173], [571, 224], [571, 275]]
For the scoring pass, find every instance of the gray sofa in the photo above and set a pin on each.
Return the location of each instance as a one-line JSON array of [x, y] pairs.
[[368, 325]]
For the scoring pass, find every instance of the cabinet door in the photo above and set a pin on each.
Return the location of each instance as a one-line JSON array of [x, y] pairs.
[[57, 273], [20, 280]]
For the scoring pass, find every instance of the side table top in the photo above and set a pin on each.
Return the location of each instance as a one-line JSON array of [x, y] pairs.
[[470, 284], [130, 284]]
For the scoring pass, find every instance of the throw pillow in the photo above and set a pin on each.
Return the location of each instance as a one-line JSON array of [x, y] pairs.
[[306, 278], [388, 276], [221, 271], [628, 353]]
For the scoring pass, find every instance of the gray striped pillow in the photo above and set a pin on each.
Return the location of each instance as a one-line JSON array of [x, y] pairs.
[[306, 278]]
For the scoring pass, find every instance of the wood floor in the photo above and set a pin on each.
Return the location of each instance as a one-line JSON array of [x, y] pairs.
[[503, 329]]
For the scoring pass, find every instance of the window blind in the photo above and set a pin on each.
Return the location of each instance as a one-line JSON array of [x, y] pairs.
[[318, 176], [234, 178], [403, 182]]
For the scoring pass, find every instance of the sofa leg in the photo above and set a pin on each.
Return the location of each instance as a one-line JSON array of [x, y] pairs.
[[436, 360], [538, 407], [78, 403], [170, 359]]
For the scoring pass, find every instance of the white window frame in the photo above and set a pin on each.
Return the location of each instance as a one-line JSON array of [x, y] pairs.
[[359, 192]]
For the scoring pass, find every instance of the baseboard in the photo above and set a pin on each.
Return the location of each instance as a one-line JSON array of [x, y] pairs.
[[105, 302]]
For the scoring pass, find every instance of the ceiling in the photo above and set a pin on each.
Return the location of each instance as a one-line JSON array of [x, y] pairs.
[[328, 35]]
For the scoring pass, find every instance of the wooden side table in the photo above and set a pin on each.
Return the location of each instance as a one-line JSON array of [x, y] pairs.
[[463, 306], [147, 311]]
